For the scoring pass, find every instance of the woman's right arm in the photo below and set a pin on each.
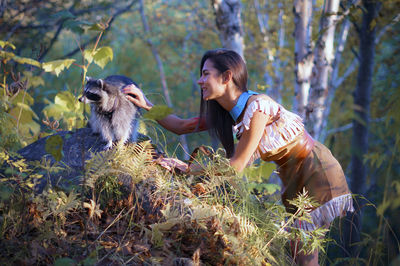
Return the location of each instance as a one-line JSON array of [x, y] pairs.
[[172, 123]]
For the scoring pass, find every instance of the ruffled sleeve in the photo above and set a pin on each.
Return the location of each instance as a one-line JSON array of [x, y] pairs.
[[282, 127], [268, 107]]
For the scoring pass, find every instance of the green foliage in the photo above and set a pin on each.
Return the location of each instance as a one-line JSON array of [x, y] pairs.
[[100, 56], [106, 172], [18, 125], [56, 204], [57, 66], [258, 176], [158, 112], [4, 44], [67, 109]]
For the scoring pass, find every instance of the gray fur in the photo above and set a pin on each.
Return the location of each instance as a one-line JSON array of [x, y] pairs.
[[112, 114]]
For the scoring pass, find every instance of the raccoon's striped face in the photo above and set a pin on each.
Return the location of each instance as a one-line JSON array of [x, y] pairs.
[[93, 91]]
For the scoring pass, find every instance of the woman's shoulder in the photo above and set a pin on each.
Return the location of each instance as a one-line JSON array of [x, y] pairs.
[[260, 98]]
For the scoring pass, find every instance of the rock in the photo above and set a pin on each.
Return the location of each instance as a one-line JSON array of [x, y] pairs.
[[77, 148]]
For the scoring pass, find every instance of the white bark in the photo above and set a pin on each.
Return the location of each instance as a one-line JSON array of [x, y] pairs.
[[229, 24], [263, 24], [323, 60], [271, 88], [303, 54], [163, 78]]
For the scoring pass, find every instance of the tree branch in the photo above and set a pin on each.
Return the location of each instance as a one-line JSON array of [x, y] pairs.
[[114, 16], [386, 28], [350, 126], [53, 40]]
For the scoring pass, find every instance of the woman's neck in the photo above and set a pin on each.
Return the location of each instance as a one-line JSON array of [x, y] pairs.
[[230, 98]]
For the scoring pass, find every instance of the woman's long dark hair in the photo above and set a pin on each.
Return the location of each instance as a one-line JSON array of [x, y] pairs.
[[218, 120]]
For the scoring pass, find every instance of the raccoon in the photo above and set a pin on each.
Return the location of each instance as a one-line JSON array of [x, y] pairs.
[[112, 114]]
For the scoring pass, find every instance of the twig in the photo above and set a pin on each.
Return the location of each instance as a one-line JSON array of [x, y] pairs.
[[53, 40], [350, 125]]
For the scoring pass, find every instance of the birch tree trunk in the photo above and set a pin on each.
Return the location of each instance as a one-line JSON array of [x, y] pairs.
[[163, 78], [270, 82], [322, 69], [303, 54], [334, 79], [229, 24], [362, 98]]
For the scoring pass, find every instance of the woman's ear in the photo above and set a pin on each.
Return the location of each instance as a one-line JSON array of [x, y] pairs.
[[227, 76]]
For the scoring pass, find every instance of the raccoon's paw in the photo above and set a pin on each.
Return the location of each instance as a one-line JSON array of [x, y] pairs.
[[108, 145]]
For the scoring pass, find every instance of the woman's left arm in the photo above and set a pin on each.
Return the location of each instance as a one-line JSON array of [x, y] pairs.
[[249, 141]]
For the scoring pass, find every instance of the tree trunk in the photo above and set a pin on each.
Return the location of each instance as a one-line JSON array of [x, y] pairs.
[[303, 54], [229, 24], [333, 81], [323, 59], [362, 98], [277, 63], [271, 87], [162, 73]]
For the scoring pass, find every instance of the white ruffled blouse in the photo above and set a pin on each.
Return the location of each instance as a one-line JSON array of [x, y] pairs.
[[284, 127]]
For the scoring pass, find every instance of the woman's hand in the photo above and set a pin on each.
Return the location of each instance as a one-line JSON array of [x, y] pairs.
[[173, 163], [136, 96]]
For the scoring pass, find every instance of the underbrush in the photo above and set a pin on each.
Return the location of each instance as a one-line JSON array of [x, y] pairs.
[[129, 210]]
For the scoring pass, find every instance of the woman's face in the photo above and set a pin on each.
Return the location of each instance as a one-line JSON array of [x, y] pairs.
[[211, 82]]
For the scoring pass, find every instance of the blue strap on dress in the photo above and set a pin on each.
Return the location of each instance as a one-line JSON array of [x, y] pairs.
[[241, 103]]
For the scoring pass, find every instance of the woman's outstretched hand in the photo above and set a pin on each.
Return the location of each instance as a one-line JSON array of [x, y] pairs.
[[173, 163], [136, 96]]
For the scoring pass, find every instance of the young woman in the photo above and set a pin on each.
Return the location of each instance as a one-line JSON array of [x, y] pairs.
[[265, 130]]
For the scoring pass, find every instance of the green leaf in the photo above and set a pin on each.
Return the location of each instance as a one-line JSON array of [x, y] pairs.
[[54, 110], [54, 146], [18, 59], [27, 108], [57, 66], [66, 99], [259, 173], [24, 118], [34, 81], [29, 61], [88, 55], [74, 26], [7, 55], [102, 56], [158, 112], [5, 44]]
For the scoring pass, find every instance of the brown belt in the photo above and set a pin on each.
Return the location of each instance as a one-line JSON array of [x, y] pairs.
[[299, 151]]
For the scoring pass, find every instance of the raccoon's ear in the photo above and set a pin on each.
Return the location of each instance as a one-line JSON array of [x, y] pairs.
[[88, 78], [100, 82]]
